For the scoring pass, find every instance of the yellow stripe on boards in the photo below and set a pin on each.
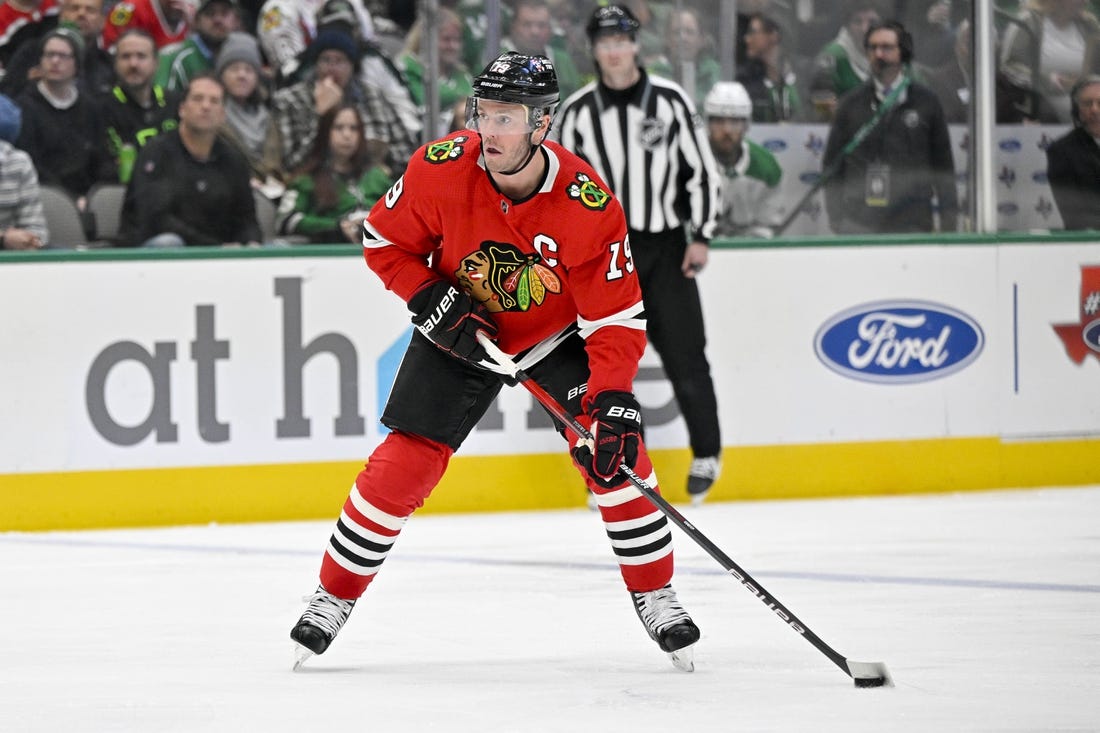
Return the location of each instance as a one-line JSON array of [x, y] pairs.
[[174, 496]]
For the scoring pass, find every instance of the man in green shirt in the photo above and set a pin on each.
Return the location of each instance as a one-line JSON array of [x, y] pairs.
[[214, 21]]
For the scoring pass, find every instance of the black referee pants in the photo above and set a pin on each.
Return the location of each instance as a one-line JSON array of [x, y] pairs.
[[674, 324]]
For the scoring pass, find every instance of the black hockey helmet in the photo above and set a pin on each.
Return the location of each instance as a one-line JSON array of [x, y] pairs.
[[611, 19], [519, 79]]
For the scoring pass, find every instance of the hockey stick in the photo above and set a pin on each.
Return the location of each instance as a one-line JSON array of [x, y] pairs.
[[865, 674]]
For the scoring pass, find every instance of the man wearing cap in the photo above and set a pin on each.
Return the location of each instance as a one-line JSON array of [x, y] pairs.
[[668, 182], [214, 21], [135, 110], [62, 131], [334, 58]]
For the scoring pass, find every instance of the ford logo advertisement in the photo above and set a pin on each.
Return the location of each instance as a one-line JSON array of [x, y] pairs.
[[898, 342]]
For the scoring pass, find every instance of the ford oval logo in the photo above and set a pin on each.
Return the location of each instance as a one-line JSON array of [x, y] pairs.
[[1091, 335], [810, 177], [1007, 208], [775, 145], [1039, 176], [897, 342], [1011, 145]]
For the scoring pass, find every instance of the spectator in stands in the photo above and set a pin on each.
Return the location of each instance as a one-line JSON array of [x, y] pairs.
[[951, 80], [888, 159], [781, 12], [843, 65], [768, 75], [136, 110], [688, 52], [214, 21], [167, 21], [750, 173], [22, 221], [22, 22], [339, 182], [475, 24], [1073, 160], [531, 32], [376, 68], [932, 27], [190, 187], [567, 18], [287, 27], [1060, 44], [249, 125], [62, 130], [96, 68], [453, 79], [297, 109]]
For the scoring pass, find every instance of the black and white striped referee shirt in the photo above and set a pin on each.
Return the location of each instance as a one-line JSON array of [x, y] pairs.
[[651, 148]]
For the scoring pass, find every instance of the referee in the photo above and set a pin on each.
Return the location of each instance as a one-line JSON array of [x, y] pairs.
[[643, 137]]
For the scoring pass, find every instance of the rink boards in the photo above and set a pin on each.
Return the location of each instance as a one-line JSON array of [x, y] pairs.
[[239, 386]]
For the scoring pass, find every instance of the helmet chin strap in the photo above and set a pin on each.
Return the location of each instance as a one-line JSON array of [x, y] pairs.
[[526, 161]]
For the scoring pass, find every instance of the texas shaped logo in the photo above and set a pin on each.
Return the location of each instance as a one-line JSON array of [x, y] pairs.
[[1083, 338]]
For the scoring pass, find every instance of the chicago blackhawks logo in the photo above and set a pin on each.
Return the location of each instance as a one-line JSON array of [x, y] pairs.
[[502, 278], [443, 150], [121, 14], [588, 192]]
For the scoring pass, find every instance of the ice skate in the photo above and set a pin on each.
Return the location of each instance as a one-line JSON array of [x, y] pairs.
[[319, 625], [669, 625], [701, 476]]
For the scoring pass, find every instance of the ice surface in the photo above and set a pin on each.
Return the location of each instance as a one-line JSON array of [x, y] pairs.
[[984, 606]]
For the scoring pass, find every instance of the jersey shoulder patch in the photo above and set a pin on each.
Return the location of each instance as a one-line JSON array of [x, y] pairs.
[[446, 150], [588, 192]]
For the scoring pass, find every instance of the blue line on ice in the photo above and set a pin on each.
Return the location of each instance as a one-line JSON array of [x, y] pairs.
[[18, 538]]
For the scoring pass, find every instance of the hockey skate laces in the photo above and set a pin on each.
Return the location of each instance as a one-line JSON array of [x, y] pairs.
[[660, 609], [326, 611]]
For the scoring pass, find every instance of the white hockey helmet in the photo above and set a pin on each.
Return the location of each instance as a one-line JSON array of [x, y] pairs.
[[728, 99]]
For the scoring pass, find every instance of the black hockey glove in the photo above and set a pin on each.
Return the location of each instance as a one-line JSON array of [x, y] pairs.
[[616, 430], [451, 319]]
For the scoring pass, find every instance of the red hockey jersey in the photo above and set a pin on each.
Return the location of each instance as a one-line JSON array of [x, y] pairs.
[[559, 257], [13, 20], [144, 14]]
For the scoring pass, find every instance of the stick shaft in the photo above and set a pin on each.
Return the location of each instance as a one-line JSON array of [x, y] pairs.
[[673, 514]]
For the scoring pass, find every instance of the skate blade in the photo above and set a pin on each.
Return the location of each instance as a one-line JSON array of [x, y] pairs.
[[683, 659], [697, 499], [301, 654]]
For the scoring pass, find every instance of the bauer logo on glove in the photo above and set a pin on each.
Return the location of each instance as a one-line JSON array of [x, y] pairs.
[[441, 307], [451, 320], [616, 430]]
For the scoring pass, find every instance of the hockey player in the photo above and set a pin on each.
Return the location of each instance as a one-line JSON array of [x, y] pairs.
[[495, 229], [750, 173]]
